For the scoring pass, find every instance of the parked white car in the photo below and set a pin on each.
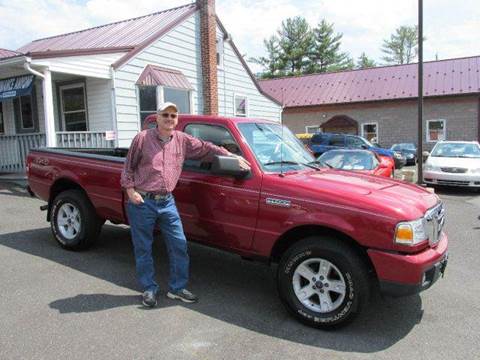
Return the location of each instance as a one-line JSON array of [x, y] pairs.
[[454, 163]]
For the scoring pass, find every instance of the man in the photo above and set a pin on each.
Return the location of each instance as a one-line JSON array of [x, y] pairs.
[[152, 169]]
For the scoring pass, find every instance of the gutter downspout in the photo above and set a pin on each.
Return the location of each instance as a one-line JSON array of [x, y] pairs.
[[47, 102], [27, 67]]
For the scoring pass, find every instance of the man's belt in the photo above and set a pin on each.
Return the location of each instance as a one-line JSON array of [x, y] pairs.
[[154, 196]]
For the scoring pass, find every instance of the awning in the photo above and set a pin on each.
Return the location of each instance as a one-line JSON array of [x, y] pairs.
[[16, 86], [158, 76]]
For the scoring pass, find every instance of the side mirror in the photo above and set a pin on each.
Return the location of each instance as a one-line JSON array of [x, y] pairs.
[[425, 156], [229, 166]]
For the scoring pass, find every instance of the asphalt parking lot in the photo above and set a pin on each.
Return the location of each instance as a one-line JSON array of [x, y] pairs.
[[60, 304]]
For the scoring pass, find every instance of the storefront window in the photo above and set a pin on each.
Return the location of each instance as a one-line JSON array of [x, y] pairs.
[[24, 113], [370, 132], [436, 130]]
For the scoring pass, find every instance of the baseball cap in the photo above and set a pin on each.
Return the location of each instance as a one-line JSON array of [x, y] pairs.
[[166, 105]]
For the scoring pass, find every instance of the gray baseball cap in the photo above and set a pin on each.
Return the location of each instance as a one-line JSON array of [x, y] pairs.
[[166, 105]]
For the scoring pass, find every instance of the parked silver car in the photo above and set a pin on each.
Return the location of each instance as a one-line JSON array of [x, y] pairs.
[[455, 163]]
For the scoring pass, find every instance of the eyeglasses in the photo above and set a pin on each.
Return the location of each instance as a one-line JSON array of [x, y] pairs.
[[171, 115]]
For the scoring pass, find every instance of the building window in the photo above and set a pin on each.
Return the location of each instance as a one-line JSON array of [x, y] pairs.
[[220, 52], [23, 108], [73, 107], [148, 101], [312, 129], [149, 95], [179, 97], [370, 132], [241, 106], [436, 130], [2, 126]]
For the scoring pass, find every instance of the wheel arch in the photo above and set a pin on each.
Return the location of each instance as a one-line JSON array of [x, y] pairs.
[[292, 236], [59, 186]]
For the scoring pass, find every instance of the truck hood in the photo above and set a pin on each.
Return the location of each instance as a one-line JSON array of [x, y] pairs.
[[393, 198]]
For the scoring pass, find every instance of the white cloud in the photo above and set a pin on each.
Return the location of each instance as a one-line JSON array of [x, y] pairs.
[[452, 29]]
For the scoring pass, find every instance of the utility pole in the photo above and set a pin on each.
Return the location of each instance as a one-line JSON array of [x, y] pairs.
[[420, 95]]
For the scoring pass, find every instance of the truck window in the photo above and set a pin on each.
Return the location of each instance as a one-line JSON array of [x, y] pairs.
[[215, 134], [354, 142]]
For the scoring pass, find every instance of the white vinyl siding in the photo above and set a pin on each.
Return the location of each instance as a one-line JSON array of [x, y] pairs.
[[99, 104], [97, 66], [179, 49], [234, 79]]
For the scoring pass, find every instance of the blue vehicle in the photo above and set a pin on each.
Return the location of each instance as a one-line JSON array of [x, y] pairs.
[[322, 142]]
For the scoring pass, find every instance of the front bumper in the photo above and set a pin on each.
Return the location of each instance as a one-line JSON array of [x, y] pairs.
[[407, 274], [443, 178]]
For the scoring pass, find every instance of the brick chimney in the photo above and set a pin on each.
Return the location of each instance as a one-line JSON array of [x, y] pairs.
[[208, 38]]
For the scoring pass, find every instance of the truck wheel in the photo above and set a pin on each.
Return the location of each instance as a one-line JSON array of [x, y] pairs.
[[75, 225], [323, 282]]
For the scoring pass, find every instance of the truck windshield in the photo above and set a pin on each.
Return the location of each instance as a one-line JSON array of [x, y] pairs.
[[275, 147]]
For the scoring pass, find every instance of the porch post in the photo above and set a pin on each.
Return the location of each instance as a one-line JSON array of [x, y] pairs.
[[48, 109]]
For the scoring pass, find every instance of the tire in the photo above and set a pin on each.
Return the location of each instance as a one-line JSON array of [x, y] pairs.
[[75, 224], [345, 267]]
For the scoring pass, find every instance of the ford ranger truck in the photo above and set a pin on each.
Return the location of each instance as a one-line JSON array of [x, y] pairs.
[[334, 235]]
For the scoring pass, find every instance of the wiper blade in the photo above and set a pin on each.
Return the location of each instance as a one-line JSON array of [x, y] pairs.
[[321, 163], [286, 162]]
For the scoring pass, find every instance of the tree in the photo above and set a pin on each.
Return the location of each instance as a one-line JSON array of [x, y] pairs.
[[402, 48], [364, 62], [326, 55], [272, 63], [295, 43]]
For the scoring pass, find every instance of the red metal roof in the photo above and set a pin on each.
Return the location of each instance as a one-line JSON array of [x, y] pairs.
[[123, 35], [155, 75], [444, 77], [4, 53]]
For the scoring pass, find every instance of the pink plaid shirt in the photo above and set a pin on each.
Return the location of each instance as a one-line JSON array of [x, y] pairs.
[[154, 165]]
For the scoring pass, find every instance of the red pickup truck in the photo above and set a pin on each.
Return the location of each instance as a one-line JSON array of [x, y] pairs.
[[334, 234]]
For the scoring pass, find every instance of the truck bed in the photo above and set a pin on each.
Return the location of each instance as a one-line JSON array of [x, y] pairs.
[[112, 154]]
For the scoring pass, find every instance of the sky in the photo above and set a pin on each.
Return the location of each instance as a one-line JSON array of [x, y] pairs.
[[451, 28]]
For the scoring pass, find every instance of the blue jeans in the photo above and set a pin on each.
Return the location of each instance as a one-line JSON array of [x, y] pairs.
[[142, 220]]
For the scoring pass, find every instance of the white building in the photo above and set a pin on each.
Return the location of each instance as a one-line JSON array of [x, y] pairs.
[[93, 88]]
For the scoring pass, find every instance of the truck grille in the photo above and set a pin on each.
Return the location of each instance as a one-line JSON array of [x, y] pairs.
[[454, 170], [435, 220]]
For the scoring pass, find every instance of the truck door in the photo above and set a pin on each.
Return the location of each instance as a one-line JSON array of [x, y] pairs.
[[218, 210]]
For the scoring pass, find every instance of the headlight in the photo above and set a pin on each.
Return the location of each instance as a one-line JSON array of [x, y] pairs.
[[411, 233], [410, 156], [397, 155], [475, 171], [430, 167]]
